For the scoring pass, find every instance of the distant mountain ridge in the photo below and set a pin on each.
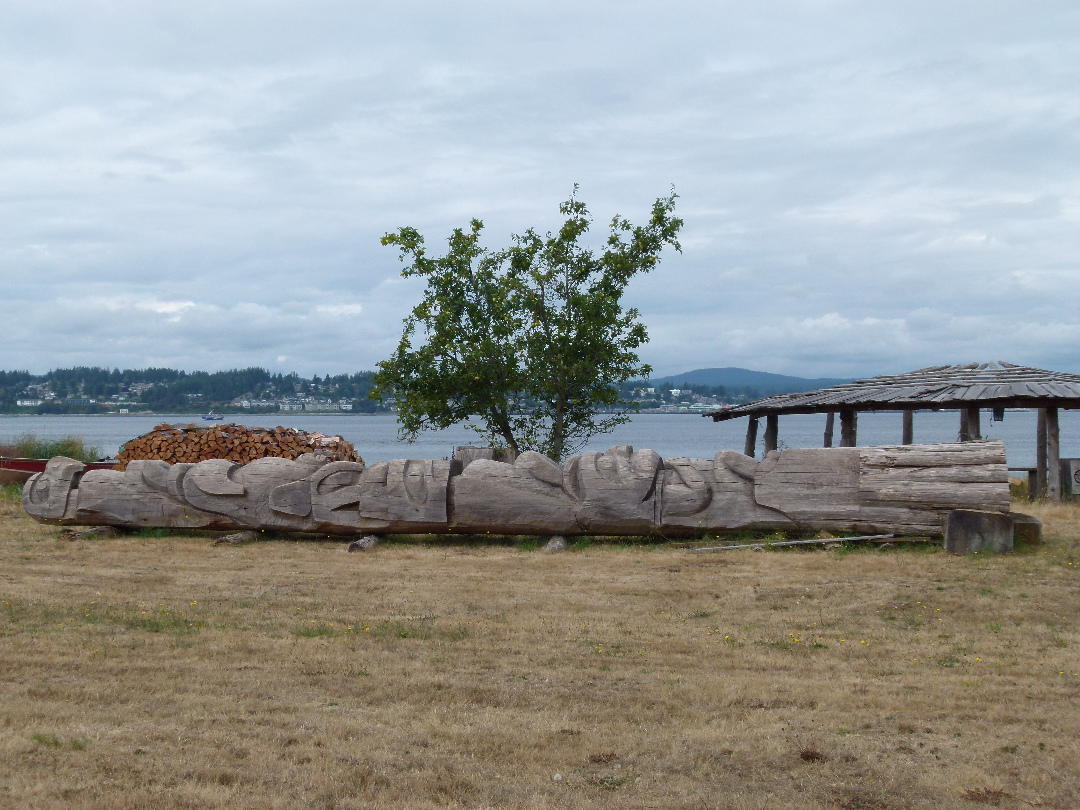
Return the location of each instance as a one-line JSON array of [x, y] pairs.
[[732, 377]]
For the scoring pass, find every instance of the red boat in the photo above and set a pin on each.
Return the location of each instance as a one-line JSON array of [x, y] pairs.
[[19, 470]]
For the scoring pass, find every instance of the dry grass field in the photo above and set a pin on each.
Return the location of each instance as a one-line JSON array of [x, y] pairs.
[[167, 672]]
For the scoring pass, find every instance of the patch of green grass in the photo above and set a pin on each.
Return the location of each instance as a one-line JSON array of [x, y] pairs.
[[11, 493], [154, 533], [317, 630], [31, 446], [581, 544], [53, 741]]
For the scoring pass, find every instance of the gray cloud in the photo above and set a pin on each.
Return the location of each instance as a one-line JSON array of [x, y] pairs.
[[866, 187]]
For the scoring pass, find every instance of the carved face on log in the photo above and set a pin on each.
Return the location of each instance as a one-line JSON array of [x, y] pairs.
[[906, 488]]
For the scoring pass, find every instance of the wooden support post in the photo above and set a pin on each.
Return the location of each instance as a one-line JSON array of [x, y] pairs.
[[750, 448], [849, 421], [772, 428], [1040, 454], [909, 427], [1033, 483], [830, 418], [1053, 456], [974, 425]]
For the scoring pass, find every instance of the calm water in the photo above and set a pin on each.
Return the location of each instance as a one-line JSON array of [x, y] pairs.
[[375, 437]]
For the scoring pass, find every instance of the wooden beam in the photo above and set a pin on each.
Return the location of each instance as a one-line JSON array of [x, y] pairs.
[[1053, 456], [849, 421], [772, 428], [974, 425], [1040, 454], [830, 419], [909, 427], [750, 447]]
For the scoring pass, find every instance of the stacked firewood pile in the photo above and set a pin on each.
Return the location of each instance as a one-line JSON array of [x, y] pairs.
[[190, 443]]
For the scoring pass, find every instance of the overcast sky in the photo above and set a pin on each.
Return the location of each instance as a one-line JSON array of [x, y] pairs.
[[868, 188]]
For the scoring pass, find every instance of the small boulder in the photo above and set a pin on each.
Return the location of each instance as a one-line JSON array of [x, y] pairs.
[[365, 543], [236, 538], [556, 543], [972, 531]]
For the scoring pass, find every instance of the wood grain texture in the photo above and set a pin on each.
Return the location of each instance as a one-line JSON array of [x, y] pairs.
[[619, 492]]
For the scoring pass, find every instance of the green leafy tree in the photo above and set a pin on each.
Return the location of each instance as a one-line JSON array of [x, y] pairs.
[[528, 340]]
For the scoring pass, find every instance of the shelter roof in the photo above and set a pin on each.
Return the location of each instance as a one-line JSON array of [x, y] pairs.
[[1000, 384]]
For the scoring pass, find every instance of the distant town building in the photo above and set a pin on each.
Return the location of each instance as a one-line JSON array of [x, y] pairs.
[[28, 403]]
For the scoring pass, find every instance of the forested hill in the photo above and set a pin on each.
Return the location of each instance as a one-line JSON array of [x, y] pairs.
[[763, 382], [102, 390], [256, 390]]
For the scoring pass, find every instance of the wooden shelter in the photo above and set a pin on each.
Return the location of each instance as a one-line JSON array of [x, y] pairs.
[[967, 388]]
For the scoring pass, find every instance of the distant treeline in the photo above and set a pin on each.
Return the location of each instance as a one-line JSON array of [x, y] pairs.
[[99, 390], [166, 390]]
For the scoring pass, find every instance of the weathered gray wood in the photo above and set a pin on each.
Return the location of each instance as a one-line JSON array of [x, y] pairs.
[[1040, 453], [467, 455], [978, 532], [940, 496], [849, 428], [829, 421], [48, 496], [909, 427], [875, 489], [935, 455], [1027, 530], [789, 485], [970, 425], [405, 495], [750, 445], [718, 493], [772, 430], [1053, 455], [1001, 384], [124, 499], [873, 476]]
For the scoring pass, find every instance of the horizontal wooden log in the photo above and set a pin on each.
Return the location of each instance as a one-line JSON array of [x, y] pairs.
[[617, 492], [930, 455], [872, 477], [993, 497]]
